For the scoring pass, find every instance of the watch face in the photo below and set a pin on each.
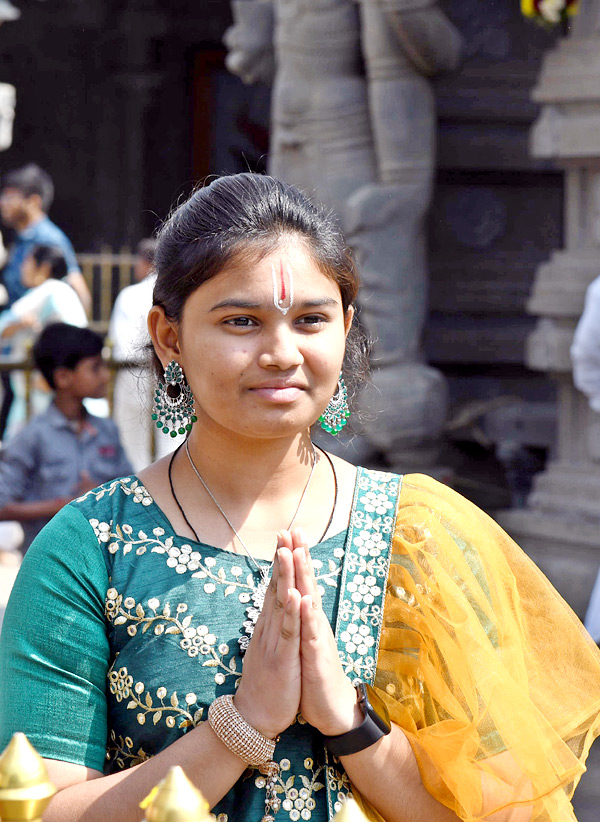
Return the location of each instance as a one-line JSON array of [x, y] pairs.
[[377, 709]]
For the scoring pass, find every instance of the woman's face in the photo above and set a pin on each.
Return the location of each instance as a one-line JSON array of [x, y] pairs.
[[30, 272], [262, 344]]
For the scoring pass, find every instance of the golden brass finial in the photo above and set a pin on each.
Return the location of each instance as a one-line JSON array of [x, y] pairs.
[[175, 799], [350, 812], [25, 789]]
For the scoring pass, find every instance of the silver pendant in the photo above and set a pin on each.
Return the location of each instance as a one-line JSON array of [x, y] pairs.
[[254, 610]]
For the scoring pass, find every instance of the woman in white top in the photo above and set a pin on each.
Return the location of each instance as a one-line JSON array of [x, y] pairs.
[[49, 299]]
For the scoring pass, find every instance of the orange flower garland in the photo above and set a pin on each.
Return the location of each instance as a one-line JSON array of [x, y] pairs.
[[550, 12]]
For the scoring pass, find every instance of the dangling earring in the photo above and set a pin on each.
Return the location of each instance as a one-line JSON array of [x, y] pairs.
[[336, 414], [174, 410]]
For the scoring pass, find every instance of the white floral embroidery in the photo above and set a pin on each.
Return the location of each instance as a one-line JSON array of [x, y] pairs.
[[183, 559], [102, 530], [377, 503], [130, 487], [357, 639], [296, 791], [365, 573], [363, 589], [133, 616], [197, 641]]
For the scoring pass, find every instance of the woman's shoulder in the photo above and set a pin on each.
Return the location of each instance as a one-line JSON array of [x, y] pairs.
[[421, 490], [106, 502], [440, 498], [67, 545]]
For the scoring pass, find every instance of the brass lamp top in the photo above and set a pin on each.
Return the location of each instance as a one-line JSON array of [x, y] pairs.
[[25, 789], [350, 812], [175, 799]]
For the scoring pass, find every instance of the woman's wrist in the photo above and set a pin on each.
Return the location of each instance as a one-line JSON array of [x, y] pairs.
[[347, 714], [262, 723]]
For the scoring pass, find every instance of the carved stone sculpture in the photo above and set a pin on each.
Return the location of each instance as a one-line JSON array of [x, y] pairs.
[[8, 96], [353, 121]]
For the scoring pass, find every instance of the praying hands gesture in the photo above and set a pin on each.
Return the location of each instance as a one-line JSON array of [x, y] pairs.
[[292, 663]]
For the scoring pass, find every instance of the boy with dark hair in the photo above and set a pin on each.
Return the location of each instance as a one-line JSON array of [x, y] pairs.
[[64, 452]]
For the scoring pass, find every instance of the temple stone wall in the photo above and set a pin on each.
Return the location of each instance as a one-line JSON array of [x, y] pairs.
[[560, 527], [496, 211], [128, 105]]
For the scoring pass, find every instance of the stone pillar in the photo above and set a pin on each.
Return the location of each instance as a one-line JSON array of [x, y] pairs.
[[560, 526]]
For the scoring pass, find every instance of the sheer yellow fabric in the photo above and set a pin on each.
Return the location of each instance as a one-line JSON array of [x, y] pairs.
[[483, 665]]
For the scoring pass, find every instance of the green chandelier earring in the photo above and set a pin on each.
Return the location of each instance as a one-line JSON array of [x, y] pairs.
[[174, 411], [336, 414]]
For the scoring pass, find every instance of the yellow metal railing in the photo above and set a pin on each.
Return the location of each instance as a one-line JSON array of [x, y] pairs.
[[106, 274], [28, 368]]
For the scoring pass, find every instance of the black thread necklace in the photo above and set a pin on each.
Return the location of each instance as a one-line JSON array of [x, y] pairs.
[[260, 589], [193, 530]]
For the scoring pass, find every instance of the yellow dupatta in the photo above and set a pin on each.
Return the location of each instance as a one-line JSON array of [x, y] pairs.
[[489, 673]]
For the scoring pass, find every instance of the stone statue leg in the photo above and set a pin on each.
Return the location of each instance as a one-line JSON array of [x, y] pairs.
[[406, 406], [385, 223], [401, 102]]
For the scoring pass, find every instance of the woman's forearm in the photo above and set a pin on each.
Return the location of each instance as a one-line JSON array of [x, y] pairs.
[[203, 757], [387, 775], [24, 511]]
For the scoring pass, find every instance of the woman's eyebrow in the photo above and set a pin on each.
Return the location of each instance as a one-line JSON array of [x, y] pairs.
[[246, 304], [235, 303]]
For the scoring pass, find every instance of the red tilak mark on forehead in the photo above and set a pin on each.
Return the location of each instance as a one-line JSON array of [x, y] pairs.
[[282, 280]]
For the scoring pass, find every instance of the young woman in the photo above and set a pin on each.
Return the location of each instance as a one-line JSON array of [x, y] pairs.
[[287, 628]]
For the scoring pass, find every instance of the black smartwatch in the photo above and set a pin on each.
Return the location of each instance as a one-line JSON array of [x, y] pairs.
[[376, 723]]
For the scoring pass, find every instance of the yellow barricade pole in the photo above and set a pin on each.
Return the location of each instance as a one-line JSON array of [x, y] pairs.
[[175, 799], [25, 789]]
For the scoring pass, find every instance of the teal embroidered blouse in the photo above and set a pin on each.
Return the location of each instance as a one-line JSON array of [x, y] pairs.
[[123, 633]]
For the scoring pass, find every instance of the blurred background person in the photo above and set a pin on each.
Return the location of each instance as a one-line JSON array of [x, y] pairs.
[[26, 195], [585, 350], [64, 451], [128, 334], [47, 299], [585, 356]]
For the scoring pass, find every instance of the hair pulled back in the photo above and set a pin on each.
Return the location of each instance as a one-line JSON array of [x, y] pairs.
[[239, 216], [246, 217]]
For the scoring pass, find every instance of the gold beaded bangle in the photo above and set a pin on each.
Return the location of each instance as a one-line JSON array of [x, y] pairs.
[[236, 734]]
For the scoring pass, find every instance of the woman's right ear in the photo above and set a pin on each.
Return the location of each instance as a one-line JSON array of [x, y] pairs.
[[164, 334]]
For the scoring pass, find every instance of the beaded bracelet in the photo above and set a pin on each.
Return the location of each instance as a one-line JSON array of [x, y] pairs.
[[249, 744], [240, 737]]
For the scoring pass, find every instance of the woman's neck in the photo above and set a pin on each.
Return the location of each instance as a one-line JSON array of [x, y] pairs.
[[245, 469]]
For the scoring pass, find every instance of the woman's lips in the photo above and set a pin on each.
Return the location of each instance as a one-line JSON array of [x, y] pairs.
[[278, 393]]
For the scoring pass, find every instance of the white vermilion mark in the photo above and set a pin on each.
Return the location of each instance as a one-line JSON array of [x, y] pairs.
[[283, 292]]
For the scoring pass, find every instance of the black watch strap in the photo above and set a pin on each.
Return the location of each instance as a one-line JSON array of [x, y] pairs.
[[376, 723]]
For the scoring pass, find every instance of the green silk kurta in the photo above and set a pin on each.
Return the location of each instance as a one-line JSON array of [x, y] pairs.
[[126, 632]]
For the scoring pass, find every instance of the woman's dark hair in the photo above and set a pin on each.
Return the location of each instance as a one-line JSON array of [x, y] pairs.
[[247, 216], [52, 255]]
